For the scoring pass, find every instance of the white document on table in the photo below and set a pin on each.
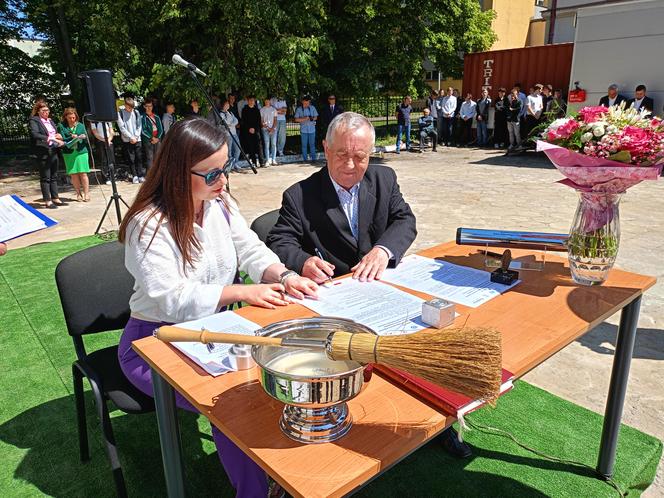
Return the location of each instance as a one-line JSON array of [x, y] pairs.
[[381, 307], [213, 358], [455, 283], [18, 218]]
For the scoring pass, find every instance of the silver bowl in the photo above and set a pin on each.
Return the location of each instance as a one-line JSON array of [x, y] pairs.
[[314, 388]]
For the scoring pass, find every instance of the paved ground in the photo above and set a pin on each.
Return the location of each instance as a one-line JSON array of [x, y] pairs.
[[463, 187]]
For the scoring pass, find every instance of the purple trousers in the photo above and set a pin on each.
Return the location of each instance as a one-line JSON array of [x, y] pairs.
[[248, 479]]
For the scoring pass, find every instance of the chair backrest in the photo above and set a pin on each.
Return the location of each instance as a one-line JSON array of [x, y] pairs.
[[95, 288], [264, 223]]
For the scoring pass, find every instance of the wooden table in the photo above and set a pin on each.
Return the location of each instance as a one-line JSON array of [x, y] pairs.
[[537, 318]]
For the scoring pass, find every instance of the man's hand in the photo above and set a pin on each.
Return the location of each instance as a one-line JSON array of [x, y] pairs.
[[132, 140], [317, 269], [3, 248], [371, 266], [252, 130], [154, 140]]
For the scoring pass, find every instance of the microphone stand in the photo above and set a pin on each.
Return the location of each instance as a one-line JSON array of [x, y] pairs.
[[225, 125]]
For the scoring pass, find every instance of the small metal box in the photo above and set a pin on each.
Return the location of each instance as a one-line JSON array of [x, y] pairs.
[[438, 313]]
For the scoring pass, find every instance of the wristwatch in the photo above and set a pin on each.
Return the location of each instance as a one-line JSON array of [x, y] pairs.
[[286, 275]]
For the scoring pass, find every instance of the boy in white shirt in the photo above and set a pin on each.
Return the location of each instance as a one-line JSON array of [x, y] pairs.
[[269, 131], [282, 108]]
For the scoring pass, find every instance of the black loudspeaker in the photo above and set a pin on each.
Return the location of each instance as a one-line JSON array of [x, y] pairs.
[[100, 95]]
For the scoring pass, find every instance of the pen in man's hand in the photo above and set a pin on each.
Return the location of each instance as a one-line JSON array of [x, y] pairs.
[[320, 255]]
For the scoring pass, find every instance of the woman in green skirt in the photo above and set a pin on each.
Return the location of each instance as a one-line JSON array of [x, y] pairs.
[[75, 153]]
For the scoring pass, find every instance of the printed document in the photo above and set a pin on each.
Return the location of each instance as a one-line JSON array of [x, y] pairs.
[[458, 284], [213, 358], [17, 218], [381, 307]]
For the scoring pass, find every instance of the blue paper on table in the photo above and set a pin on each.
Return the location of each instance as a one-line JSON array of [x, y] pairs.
[[17, 218]]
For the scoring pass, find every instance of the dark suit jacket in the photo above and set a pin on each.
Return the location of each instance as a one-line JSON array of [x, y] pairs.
[[605, 100], [327, 115], [646, 104], [311, 218], [39, 133]]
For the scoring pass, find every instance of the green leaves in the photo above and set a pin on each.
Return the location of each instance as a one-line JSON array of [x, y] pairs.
[[354, 47]]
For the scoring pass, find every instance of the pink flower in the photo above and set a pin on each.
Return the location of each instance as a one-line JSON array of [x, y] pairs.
[[592, 114], [566, 130]]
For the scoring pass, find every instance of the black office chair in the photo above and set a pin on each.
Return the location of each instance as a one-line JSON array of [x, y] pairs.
[[95, 288], [264, 223]]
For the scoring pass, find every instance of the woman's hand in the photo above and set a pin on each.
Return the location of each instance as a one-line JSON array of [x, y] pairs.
[[264, 295], [299, 287]]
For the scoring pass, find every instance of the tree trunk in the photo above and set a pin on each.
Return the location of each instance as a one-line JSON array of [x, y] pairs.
[[61, 34]]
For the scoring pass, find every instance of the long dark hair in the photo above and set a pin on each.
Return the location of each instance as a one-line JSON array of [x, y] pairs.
[[167, 185]]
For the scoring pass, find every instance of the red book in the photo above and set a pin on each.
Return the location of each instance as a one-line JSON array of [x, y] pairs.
[[450, 402]]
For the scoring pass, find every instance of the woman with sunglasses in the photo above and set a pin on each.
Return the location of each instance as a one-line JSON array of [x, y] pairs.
[[184, 242]]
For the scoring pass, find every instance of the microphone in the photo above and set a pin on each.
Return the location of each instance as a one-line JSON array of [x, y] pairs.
[[181, 62]]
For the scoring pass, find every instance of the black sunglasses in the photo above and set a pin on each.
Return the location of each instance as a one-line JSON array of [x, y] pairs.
[[212, 176]]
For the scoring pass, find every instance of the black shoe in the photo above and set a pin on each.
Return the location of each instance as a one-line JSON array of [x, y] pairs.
[[450, 442], [52, 206]]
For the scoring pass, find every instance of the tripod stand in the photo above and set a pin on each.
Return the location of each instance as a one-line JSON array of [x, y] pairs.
[[115, 197]]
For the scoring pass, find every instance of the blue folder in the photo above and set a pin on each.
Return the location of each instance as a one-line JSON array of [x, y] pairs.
[[49, 222]]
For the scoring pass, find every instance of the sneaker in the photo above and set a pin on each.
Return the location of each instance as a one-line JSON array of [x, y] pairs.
[[108, 182], [134, 180], [141, 179]]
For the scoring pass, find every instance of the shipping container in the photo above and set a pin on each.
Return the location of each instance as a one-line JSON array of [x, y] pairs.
[[547, 64]]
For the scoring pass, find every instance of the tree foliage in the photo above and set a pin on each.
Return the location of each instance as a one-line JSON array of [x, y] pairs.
[[21, 76], [354, 47]]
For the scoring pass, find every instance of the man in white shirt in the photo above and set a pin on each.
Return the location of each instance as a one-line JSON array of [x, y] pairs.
[[467, 114], [129, 124], [269, 131], [534, 108], [280, 105], [445, 107], [640, 100], [106, 154]]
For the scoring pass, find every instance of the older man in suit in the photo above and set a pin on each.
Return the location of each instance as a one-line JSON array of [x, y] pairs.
[[612, 97], [349, 216]]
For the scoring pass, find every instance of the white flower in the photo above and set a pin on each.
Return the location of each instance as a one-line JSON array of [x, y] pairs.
[[586, 137], [557, 123], [598, 131], [612, 129]]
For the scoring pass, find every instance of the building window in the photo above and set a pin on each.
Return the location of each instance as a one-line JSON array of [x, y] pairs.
[[431, 76]]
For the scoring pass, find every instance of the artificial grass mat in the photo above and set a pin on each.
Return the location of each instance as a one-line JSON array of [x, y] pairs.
[[39, 445]]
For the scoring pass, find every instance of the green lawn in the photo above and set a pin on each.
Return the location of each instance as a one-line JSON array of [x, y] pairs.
[[39, 449]]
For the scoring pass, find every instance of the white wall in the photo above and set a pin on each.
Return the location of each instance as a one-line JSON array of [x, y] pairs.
[[620, 43]]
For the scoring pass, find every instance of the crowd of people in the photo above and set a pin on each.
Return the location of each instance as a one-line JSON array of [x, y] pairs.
[[448, 119], [259, 128]]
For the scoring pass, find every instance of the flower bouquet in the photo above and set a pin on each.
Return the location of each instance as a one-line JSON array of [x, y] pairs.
[[602, 152]]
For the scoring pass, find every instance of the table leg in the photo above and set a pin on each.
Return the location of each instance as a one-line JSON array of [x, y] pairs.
[[618, 387], [169, 435]]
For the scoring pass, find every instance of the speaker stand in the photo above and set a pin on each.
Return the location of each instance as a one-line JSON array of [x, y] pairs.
[[115, 197]]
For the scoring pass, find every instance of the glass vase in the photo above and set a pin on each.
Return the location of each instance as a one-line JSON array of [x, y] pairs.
[[594, 237]]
